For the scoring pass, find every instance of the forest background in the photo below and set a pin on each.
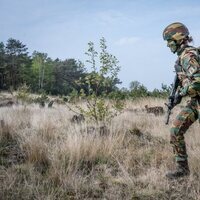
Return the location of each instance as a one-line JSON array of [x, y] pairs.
[[42, 74]]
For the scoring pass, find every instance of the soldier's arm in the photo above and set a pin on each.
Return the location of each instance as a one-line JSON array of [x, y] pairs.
[[192, 69]]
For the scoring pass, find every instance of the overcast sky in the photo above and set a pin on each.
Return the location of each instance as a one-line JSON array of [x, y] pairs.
[[132, 29]]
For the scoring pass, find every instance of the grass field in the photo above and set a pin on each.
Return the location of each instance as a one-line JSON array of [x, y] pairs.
[[43, 155]]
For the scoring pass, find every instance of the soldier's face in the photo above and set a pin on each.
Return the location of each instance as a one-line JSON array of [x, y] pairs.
[[172, 45]]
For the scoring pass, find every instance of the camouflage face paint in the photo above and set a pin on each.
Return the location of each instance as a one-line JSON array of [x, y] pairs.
[[172, 45]]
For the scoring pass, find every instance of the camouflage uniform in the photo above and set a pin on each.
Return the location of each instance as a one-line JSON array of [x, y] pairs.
[[188, 71], [187, 68]]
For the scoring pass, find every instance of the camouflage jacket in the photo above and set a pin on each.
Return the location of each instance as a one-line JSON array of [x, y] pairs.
[[187, 68]]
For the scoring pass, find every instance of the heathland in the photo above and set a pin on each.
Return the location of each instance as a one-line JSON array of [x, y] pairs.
[[44, 154]]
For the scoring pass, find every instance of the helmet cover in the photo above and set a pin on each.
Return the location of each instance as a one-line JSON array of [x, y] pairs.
[[175, 31]]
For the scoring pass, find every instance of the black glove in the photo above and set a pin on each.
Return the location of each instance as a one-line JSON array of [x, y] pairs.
[[177, 99], [170, 104]]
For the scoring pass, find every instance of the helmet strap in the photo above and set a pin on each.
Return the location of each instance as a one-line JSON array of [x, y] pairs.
[[181, 46]]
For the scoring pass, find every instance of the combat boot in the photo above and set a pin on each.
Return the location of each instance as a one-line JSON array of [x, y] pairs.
[[181, 170]]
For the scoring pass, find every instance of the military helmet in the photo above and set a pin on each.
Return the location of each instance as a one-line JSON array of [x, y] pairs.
[[175, 31]]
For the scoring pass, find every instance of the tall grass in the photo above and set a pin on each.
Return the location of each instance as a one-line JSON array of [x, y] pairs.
[[45, 156]]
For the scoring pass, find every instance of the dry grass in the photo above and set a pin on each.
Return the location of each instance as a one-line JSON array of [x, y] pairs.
[[44, 156]]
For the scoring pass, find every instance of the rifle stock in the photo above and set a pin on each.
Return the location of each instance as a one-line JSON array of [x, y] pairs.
[[168, 115]]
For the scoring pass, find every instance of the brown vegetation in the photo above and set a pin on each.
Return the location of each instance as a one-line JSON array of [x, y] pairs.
[[43, 155]]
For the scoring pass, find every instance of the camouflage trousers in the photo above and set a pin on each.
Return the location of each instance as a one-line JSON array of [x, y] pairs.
[[183, 121]]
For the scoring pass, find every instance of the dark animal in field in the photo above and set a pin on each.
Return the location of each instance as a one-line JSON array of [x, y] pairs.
[[156, 110], [78, 118], [7, 103], [50, 104]]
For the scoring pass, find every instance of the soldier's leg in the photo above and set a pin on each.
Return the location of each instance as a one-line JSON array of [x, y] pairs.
[[180, 125]]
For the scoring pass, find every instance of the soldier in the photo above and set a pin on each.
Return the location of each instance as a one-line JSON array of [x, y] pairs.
[[187, 68]]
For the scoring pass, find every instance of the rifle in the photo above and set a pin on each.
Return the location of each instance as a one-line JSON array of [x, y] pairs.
[[170, 105]]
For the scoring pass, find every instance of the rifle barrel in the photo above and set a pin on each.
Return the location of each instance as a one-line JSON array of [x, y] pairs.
[[167, 118]]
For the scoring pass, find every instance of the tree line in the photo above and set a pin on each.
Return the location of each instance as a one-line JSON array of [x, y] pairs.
[[61, 77], [38, 71]]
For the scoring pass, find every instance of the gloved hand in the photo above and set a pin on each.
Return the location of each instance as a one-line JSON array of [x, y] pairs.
[[184, 91], [177, 99]]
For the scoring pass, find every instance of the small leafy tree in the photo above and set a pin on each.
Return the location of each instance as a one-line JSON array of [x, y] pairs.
[[23, 94], [97, 83], [41, 99], [163, 93], [138, 90]]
